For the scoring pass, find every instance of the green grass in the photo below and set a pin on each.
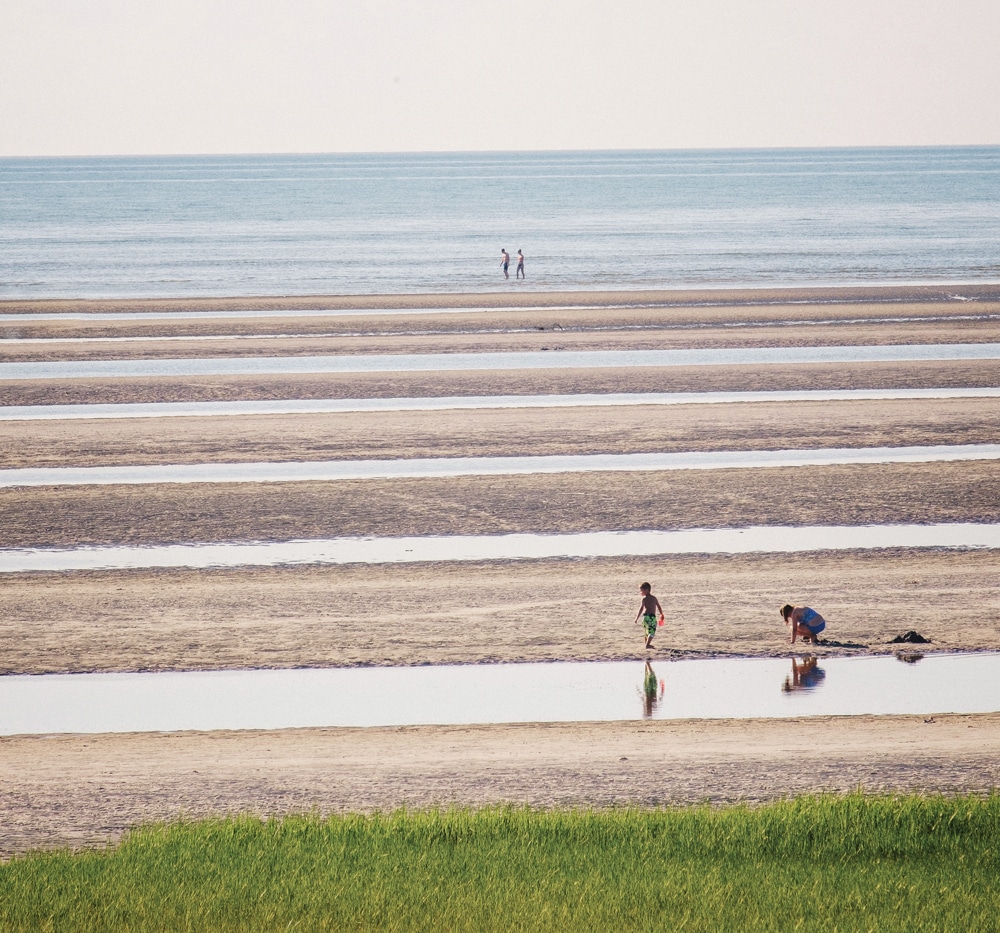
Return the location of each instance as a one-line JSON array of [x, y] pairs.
[[822, 863]]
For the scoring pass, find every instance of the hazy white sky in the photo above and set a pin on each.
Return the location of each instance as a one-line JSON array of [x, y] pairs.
[[201, 76]]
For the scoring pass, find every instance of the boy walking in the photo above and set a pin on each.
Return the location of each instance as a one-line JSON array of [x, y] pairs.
[[649, 610]]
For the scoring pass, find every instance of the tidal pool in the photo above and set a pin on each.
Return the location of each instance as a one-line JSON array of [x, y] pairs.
[[454, 402], [417, 549], [741, 688], [298, 471], [453, 362]]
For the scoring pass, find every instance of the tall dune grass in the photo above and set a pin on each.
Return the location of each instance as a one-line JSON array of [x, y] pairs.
[[821, 863]]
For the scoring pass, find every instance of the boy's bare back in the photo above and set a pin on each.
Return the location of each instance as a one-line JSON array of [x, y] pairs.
[[650, 605]]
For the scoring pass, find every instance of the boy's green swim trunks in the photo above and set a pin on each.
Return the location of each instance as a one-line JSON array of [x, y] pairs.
[[649, 624]]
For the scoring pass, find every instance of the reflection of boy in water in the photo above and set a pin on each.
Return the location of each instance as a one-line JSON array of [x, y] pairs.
[[652, 690], [805, 675], [649, 609]]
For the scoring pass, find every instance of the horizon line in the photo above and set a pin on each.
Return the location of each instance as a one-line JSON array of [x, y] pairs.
[[472, 152]]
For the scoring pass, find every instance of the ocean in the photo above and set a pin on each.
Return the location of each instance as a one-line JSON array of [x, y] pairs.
[[405, 223]]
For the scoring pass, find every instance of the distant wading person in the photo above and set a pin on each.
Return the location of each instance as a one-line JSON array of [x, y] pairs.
[[519, 274], [805, 622], [505, 262], [649, 609]]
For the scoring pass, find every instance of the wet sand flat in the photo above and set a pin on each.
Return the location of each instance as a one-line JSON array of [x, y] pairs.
[[499, 432], [626, 321], [69, 516], [855, 295], [85, 790], [929, 374], [491, 336]]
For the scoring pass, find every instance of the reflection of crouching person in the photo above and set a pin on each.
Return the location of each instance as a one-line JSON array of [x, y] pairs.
[[806, 623], [806, 674]]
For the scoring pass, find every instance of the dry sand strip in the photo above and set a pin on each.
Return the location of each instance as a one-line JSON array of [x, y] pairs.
[[58, 791], [499, 433], [930, 374], [470, 613], [464, 315], [74, 516], [618, 307], [505, 338], [22, 338], [707, 297]]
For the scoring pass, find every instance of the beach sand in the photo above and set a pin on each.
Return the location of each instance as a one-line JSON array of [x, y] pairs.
[[63, 516], [81, 790], [503, 611], [58, 791], [501, 432]]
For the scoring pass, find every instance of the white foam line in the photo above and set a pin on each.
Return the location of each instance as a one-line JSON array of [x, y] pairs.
[[457, 402], [454, 362], [767, 539], [437, 467]]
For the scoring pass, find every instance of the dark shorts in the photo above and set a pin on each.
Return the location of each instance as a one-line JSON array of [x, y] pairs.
[[649, 624], [812, 620]]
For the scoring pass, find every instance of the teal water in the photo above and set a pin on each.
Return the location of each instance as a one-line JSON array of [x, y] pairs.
[[391, 223]]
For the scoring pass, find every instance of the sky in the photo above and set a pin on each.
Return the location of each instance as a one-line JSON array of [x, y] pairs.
[[107, 77]]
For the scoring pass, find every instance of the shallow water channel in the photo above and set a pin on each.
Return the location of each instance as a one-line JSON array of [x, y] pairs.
[[425, 467], [741, 688], [493, 361], [521, 546], [473, 402]]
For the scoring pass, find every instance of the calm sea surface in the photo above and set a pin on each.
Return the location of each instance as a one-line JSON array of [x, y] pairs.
[[356, 224]]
